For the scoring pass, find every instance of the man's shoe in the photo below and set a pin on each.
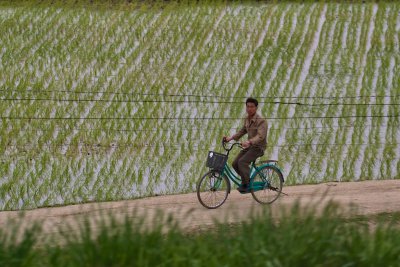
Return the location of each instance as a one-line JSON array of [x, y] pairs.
[[243, 188]]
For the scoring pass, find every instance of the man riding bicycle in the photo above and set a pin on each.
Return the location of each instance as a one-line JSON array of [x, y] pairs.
[[256, 128]]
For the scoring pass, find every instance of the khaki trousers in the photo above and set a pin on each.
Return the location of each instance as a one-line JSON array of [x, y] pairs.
[[241, 164]]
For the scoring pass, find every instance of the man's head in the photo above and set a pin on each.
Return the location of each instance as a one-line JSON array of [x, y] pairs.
[[251, 106]]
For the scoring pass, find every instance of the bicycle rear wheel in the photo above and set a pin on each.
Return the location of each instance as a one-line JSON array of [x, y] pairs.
[[267, 185], [213, 189]]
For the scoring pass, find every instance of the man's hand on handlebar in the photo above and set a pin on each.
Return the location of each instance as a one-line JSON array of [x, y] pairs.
[[227, 139], [245, 144]]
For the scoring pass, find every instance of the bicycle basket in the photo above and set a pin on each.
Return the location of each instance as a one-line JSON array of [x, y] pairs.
[[216, 160]]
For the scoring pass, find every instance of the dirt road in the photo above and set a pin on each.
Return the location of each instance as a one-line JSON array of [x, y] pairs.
[[370, 197]]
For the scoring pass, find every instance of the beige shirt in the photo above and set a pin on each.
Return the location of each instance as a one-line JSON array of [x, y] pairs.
[[257, 129]]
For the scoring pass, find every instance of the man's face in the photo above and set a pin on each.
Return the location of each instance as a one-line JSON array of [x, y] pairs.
[[251, 109]]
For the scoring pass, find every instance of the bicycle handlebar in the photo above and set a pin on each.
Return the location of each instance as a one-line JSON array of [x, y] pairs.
[[224, 142]]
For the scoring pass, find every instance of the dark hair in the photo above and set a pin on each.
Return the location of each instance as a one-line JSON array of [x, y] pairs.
[[252, 100]]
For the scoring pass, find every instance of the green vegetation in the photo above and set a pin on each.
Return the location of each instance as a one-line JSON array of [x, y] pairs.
[[115, 100], [297, 237]]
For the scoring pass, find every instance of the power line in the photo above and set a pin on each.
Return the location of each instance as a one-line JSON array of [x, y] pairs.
[[143, 145], [95, 149], [171, 129], [144, 101], [199, 95], [195, 102], [313, 157], [194, 118]]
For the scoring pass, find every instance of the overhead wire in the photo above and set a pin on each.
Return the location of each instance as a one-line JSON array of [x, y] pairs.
[[175, 145], [199, 95], [191, 128], [117, 146], [195, 102], [193, 118]]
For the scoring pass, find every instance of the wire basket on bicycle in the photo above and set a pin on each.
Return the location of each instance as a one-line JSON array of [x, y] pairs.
[[216, 161]]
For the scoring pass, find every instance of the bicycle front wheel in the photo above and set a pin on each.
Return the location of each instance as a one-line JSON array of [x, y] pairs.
[[213, 189], [267, 185]]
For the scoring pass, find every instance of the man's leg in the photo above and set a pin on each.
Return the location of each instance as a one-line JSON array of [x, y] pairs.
[[244, 163], [235, 163]]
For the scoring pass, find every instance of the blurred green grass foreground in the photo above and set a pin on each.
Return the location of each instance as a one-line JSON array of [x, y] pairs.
[[298, 237]]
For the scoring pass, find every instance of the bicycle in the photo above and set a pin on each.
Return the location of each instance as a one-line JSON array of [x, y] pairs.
[[265, 186]]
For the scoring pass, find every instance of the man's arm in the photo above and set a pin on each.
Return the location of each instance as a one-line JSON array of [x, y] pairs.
[[261, 132], [237, 135], [240, 133]]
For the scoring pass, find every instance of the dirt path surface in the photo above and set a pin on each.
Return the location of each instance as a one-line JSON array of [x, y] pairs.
[[369, 197]]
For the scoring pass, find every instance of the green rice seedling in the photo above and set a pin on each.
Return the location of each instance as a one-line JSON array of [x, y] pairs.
[[166, 55]]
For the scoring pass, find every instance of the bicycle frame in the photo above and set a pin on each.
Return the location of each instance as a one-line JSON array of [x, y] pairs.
[[232, 175]]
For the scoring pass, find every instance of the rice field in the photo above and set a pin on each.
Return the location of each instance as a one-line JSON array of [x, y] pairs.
[[108, 102]]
